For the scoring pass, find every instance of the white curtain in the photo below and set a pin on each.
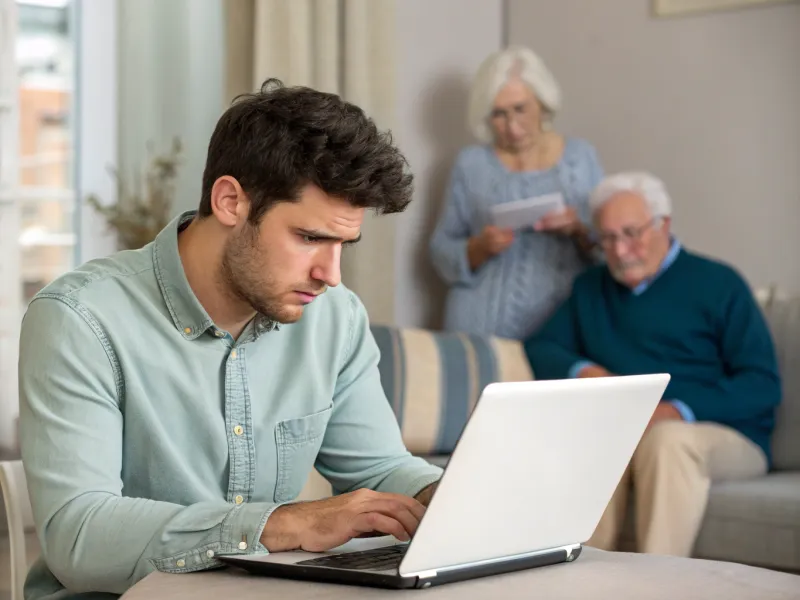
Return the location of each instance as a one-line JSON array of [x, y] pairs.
[[10, 290], [345, 47]]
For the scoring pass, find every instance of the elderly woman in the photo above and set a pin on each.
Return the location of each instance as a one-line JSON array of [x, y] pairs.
[[507, 281]]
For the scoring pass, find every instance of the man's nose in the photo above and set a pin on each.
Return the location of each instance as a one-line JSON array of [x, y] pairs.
[[328, 266]]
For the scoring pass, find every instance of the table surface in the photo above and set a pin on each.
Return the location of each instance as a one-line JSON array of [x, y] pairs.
[[595, 575]]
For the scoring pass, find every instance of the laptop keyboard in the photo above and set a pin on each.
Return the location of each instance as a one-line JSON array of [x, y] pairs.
[[379, 559]]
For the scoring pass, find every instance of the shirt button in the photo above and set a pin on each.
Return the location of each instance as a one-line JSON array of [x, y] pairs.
[[238, 430], [219, 333], [187, 330], [180, 563], [238, 499], [233, 355], [242, 545], [210, 554]]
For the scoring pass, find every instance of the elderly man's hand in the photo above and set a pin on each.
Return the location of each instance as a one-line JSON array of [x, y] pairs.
[[593, 371], [665, 411]]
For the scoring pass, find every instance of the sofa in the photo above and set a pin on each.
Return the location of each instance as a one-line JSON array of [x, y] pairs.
[[433, 380]]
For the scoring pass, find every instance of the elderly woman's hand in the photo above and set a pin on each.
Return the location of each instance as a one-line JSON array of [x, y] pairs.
[[564, 222], [488, 243]]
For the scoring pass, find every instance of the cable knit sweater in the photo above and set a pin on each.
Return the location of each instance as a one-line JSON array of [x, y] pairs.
[[514, 293]]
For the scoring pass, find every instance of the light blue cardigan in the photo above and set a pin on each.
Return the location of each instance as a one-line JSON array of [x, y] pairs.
[[512, 294]]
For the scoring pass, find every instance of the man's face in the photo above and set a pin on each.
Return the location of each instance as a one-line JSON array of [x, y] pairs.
[[633, 240], [292, 255]]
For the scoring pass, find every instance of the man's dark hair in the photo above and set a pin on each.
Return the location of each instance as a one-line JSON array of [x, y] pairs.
[[279, 139]]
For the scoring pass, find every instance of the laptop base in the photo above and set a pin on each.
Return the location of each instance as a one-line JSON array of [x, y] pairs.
[[394, 580]]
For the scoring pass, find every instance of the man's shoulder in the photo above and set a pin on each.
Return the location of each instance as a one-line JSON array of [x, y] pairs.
[[97, 279], [712, 269]]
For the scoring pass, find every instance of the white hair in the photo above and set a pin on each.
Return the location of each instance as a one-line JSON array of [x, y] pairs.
[[495, 72], [650, 188]]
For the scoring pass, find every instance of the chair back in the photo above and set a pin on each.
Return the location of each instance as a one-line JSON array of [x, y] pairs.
[[20, 518]]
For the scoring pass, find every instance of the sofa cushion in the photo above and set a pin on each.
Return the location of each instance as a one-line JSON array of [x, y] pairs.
[[783, 315], [433, 379], [754, 521]]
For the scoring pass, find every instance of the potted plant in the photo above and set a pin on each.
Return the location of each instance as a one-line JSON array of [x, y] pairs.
[[140, 213]]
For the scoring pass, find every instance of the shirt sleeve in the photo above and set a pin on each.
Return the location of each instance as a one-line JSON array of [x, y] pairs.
[[93, 537], [750, 387], [579, 366], [363, 447], [687, 414], [554, 352]]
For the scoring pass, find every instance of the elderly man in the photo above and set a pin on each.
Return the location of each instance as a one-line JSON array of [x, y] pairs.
[[656, 307]]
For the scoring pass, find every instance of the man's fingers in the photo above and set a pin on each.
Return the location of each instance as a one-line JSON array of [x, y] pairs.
[[412, 504], [399, 513], [370, 522]]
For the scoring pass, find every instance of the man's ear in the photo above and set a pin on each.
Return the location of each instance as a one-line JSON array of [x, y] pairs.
[[229, 203]]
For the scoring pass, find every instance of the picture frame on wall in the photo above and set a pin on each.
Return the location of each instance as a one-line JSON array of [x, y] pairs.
[[674, 8]]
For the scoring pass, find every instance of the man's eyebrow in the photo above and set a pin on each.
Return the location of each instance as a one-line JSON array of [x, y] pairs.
[[322, 235]]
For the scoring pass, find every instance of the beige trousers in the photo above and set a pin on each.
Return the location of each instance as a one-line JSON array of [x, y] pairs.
[[670, 474]]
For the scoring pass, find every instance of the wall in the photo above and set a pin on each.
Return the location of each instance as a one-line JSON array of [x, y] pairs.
[[707, 102], [440, 45], [96, 121], [171, 82]]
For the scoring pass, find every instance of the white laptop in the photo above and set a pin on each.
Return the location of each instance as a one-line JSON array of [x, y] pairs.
[[526, 485]]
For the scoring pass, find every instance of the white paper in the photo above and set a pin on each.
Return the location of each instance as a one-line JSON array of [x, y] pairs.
[[520, 214]]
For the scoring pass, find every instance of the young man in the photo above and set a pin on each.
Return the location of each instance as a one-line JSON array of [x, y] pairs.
[[173, 400], [656, 307]]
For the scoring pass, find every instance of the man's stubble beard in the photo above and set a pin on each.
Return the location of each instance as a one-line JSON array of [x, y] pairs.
[[241, 275]]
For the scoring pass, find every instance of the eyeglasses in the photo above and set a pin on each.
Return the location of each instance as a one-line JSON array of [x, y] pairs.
[[629, 235]]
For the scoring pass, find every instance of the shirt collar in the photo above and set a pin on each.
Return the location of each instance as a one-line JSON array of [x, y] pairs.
[[188, 315], [672, 255]]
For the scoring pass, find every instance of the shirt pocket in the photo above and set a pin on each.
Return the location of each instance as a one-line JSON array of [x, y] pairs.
[[298, 443]]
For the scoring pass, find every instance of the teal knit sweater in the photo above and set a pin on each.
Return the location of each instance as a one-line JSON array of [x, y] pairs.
[[697, 321]]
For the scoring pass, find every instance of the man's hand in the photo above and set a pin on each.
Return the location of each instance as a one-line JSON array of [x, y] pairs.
[[593, 371], [664, 411], [424, 497], [325, 524]]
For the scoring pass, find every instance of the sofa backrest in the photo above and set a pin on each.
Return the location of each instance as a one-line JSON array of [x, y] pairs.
[[433, 380], [783, 315]]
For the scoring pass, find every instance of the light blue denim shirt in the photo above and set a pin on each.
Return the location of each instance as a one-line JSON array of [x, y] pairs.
[[153, 440]]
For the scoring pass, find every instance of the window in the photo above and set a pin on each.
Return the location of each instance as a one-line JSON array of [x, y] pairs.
[[45, 59], [41, 141]]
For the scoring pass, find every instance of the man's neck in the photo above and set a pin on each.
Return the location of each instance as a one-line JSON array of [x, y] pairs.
[[668, 256], [201, 255]]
